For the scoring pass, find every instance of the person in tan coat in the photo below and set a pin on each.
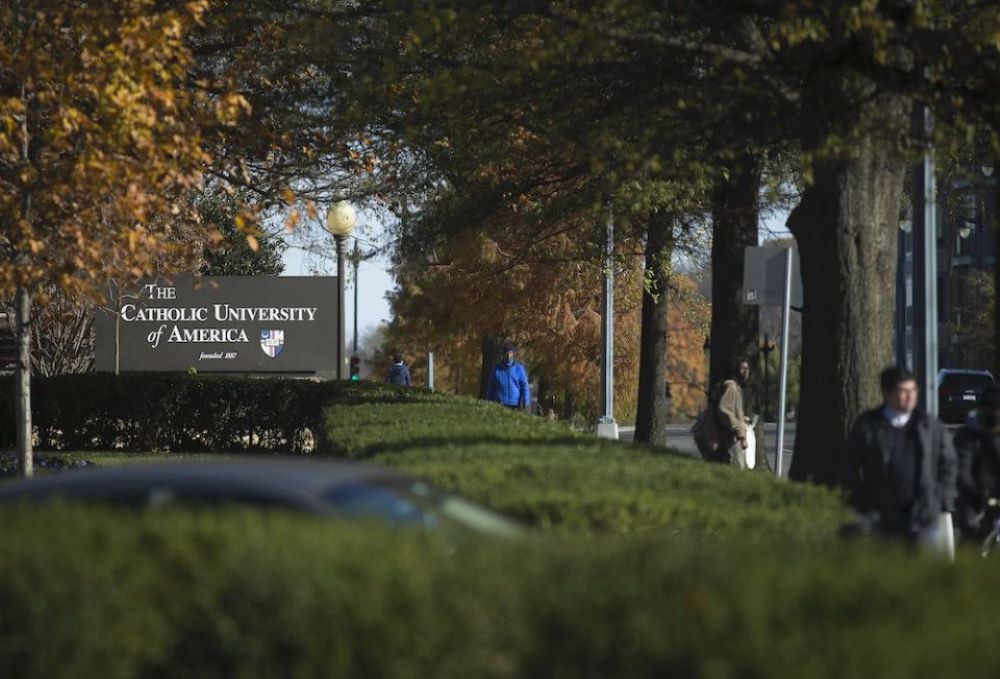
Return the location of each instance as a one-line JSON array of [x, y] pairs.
[[730, 414]]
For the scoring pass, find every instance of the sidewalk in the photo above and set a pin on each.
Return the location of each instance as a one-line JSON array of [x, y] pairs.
[[678, 437]]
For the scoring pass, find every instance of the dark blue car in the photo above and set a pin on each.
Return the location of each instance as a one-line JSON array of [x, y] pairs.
[[335, 489], [958, 391]]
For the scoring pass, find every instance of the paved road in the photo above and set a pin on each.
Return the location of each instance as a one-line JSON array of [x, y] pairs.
[[679, 438]]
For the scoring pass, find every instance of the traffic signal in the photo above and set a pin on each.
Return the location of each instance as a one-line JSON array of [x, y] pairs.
[[355, 368]]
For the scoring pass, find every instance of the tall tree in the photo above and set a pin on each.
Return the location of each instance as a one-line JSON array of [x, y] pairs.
[[735, 224], [100, 140], [525, 91], [547, 304], [846, 227], [651, 413], [996, 267]]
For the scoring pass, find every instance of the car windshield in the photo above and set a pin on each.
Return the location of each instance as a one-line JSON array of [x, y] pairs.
[[459, 511], [402, 500], [966, 382], [371, 501]]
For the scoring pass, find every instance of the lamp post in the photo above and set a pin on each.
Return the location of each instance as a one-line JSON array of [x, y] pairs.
[[357, 263], [925, 270], [355, 359], [340, 223], [607, 427]]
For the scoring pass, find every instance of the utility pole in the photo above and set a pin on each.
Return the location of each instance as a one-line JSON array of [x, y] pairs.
[[925, 322], [357, 262], [607, 427]]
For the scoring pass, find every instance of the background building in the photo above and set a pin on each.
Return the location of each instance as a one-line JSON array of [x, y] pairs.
[[966, 261], [967, 248]]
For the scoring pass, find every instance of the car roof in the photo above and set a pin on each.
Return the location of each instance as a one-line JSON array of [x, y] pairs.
[[960, 371], [294, 476]]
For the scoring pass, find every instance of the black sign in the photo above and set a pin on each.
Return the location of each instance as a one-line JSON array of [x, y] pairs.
[[222, 324]]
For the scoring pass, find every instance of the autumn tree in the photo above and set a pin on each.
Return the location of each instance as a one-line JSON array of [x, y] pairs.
[[100, 140], [451, 296], [688, 322]]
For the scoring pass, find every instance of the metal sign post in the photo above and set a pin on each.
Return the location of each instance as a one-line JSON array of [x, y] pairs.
[[771, 277], [783, 384]]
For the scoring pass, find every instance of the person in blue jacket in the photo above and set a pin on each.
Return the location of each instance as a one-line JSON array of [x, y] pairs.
[[509, 383], [398, 373]]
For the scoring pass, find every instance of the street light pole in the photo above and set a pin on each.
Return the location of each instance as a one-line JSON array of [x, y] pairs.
[[925, 270], [357, 262], [607, 427], [341, 316], [340, 223]]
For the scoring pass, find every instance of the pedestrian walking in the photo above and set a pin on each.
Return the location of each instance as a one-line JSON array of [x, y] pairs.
[[732, 415], [899, 467], [398, 372], [977, 445], [723, 432], [509, 382]]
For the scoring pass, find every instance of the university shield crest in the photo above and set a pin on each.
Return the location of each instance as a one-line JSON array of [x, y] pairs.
[[272, 342]]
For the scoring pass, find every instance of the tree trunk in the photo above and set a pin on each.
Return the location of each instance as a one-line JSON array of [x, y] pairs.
[[490, 349], [736, 326], [651, 413], [544, 402], [735, 212], [996, 268], [846, 226], [22, 382]]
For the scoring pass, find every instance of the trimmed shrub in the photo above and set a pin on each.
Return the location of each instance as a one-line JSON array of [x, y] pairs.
[[541, 472], [96, 593], [550, 476], [164, 412]]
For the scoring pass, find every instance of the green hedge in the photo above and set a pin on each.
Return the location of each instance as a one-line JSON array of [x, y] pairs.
[[167, 412], [95, 594], [550, 476], [542, 472]]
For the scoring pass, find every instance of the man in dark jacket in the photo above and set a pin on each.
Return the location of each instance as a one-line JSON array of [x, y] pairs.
[[899, 465], [398, 373], [509, 382], [977, 444]]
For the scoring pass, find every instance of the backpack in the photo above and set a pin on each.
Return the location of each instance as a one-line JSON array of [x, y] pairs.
[[711, 439]]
